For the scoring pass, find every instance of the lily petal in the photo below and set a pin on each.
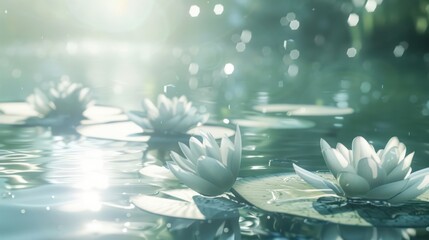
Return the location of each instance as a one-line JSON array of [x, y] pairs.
[[361, 149], [141, 121], [182, 162], [196, 147], [235, 161], [324, 145], [188, 121], [226, 146], [393, 142], [419, 173], [316, 181], [400, 171], [212, 148], [188, 153], [215, 172], [413, 191], [387, 191], [380, 153], [353, 185], [390, 159], [344, 151], [150, 108], [336, 161], [195, 182], [402, 150], [371, 172]]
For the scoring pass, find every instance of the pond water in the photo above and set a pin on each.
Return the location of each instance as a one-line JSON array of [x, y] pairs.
[[227, 57]]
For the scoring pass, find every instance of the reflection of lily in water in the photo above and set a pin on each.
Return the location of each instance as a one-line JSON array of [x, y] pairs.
[[208, 168], [64, 101], [205, 229], [345, 232], [175, 115], [363, 173]]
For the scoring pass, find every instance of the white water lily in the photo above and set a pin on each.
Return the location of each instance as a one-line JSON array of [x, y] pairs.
[[175, 115], [208, 168], [65, 99], [363, 173]]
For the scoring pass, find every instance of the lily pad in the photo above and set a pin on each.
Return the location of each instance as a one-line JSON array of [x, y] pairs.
[[131, 132], [289, 194], [303, 110], [157, 172], [187, 204], [22, 113], [274, 122]]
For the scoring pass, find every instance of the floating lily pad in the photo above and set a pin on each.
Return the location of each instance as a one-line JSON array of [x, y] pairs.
[[185, 203], [12, 119], [131, 132], [274, 122], [22, 113], [288, 194], [303, 110], [157, 172], [18, 109]]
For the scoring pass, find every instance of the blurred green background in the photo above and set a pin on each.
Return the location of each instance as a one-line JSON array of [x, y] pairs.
[[370, 55]]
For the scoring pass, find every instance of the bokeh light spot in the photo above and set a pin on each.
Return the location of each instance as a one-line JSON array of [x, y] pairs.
[[351, 52], [353, 19], [228, 69], [193, 68], [370, 5], [293, 70], [240, 47], [294, 54], [246, 35], [294, 24], [399, 50], [194, 11], [218, 9]]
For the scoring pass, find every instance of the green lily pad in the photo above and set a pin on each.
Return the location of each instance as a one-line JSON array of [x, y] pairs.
[[274, 122], [157, 172], [289, 194], [303, 110], [131, 132], [187, 204], [23, 114]]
